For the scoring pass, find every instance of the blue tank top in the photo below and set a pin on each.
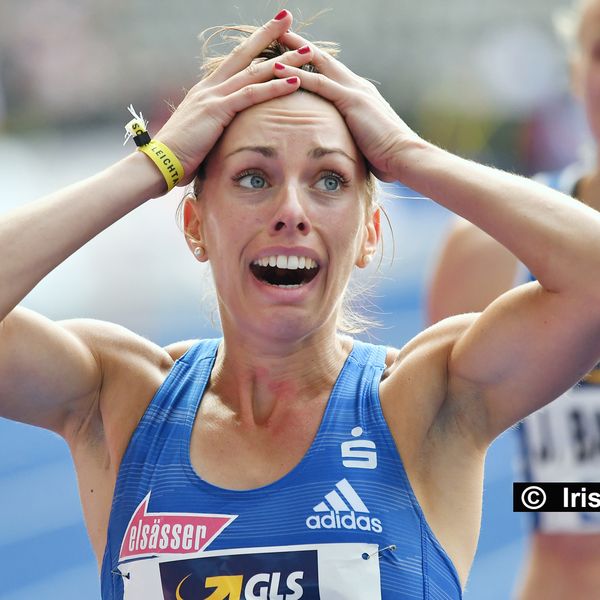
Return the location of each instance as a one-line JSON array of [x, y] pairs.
[[344, 523]]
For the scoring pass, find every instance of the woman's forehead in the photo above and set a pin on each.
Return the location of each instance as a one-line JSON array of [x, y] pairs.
[[301, 119]]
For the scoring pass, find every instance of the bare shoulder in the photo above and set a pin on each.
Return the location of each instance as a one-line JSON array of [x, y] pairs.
[[122, 344], [114, 344], [438, 338], [414, 386], [443, 464], [178, 349], [62, 375], [132, 368]]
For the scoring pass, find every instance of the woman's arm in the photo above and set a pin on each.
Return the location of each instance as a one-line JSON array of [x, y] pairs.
[[49, 371], [36, 238], [46, 370], [556, 238], [533, 342]]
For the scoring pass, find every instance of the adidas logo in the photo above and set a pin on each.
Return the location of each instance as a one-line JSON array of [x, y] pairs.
[[339, 511]]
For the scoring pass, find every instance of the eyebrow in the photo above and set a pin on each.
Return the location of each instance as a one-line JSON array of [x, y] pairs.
[[319, 152], [271, 152], [267, 151]]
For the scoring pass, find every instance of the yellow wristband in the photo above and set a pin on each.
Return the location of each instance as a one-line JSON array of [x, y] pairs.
[[165, 160]]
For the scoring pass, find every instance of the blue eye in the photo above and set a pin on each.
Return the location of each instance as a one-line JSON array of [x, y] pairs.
[[252, 181], [330, 182]]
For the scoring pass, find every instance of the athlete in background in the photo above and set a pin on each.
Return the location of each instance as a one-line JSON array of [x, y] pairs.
[[560, 442]]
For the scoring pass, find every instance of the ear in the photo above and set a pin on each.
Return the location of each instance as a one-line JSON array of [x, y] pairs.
[[192, 227], [370, 240]]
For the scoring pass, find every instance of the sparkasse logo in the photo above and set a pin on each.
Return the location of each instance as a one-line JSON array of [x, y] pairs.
[[339, 511]]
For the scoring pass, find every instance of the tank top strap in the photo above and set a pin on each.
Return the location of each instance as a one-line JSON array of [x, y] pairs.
[[354, 392], [201, 350], [370, 362], [166, 421], [365, 353]]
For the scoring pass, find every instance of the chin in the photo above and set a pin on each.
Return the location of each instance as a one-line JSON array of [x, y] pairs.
[[288, 327], [284, 324]]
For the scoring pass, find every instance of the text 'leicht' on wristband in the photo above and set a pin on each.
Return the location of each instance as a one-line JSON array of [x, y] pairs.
[[160, 154]]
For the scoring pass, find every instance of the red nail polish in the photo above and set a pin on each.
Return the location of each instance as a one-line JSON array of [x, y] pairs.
[[281, 15], [304, 50], [279, 66], [292, 80]]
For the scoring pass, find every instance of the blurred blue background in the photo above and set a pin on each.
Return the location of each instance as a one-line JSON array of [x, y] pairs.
[[486, 80]]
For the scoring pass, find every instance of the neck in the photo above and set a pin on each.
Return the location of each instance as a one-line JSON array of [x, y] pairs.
[[258, 379]]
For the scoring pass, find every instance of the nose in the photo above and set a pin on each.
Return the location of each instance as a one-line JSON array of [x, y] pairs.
[[290, 215]]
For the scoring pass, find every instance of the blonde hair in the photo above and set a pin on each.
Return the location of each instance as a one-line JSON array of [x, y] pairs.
[[350, 318]]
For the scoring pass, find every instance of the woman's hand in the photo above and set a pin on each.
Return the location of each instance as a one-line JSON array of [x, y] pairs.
[[238, 83], [377, 130]]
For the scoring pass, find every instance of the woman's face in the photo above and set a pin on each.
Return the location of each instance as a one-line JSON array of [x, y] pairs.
[[283, 216], [587, 65]]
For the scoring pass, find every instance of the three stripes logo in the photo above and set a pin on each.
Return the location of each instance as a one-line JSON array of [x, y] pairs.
[[343, 508]]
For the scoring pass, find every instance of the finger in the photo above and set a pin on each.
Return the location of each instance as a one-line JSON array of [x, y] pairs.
[[323, 61], [246, 52], [258, 72], [293, 40], [318, 83], [260, 92]]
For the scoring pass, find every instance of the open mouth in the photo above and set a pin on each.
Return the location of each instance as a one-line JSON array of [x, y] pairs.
[[285, 271]]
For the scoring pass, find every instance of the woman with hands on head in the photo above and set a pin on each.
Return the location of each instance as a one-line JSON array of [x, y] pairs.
[[286, 459]]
